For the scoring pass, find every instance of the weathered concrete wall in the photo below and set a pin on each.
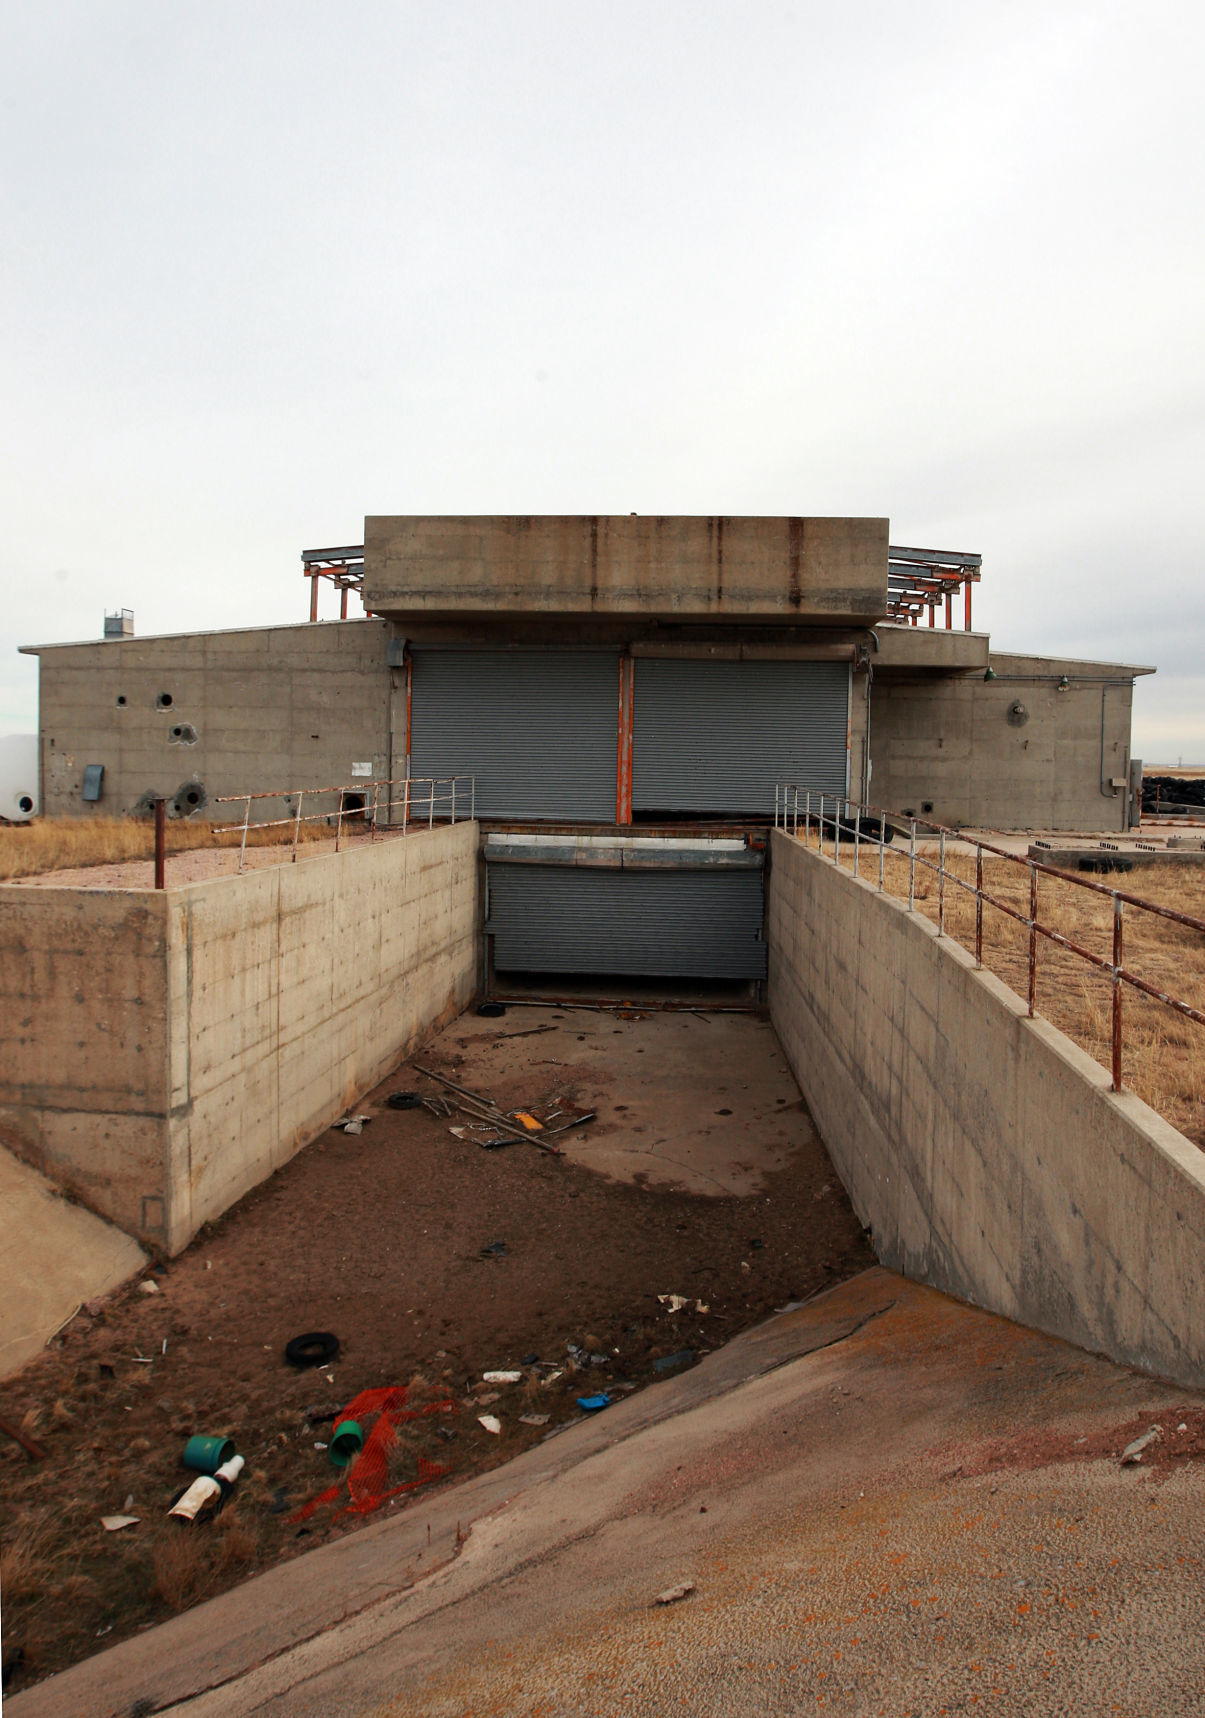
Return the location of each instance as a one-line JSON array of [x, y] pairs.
[[680, 568], [984, 1150], [947, 747], [296, 991], [250, 711], [84, 1045], [163, 1053]]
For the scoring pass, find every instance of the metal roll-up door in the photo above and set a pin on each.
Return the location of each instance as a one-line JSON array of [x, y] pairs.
[[662, 924], [718, 736], [538, 729]]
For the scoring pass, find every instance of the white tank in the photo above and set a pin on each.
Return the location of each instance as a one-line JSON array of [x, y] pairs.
[[18, 777]]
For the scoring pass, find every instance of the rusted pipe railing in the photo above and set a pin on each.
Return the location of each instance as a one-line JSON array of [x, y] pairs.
[[445, 797], [1119, 975]]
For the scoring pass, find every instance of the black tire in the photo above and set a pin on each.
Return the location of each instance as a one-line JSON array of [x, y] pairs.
[[491, 1010], [403, 1100], [315, 1348]]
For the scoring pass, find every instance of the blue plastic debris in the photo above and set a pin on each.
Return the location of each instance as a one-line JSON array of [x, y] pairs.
[[592, 1404]]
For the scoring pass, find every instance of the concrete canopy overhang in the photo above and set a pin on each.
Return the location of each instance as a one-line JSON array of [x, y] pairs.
[[826, 571]]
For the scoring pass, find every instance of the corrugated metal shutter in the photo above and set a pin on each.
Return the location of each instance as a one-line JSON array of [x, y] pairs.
[[538, 729], [676, 924], [718, 736]]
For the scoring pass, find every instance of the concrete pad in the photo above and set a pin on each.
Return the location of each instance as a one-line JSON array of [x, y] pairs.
[[886, 1501], [53, 1256], [697, 1100]]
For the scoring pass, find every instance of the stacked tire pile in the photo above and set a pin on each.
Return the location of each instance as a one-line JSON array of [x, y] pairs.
[[1173, 796]]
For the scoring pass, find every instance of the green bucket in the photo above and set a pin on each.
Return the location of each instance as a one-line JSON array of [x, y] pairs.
[[346, 1442], [206, 1455]]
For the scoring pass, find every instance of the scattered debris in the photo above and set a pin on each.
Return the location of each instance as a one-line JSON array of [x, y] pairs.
[[676, 1302], [671, 1595], [206, 1455], [1132, 1454], [484, 1109], [208, 1492], [33, 1450], [314, 1348], [534, 1360], [502, 1377], [534, 1419], [403, 1100], [491, 1422], [594, 1404], [148, 1285], [493, 1250], [280, 1501], [351, 1124], [115, 1523], [481, 1133], [347, 1441], [667, 1362]]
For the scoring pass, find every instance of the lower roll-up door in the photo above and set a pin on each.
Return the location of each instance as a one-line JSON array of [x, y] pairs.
[[665, 924], [537, 729], [718, 737]]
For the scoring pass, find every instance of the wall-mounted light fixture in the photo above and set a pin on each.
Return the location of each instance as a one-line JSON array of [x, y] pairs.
[[989, 672], [1063, 684]]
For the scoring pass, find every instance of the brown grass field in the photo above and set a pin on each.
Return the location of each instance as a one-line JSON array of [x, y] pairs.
[[1163, 1052], [60, 844]]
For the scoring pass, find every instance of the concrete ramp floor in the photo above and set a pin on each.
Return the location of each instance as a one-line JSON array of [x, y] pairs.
[[885, 1501], [53, 1256]]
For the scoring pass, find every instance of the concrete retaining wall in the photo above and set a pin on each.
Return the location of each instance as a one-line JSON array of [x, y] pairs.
[[173, 1050], [983, 1149]]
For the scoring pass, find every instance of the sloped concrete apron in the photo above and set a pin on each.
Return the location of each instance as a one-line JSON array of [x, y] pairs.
[[867, 1387]]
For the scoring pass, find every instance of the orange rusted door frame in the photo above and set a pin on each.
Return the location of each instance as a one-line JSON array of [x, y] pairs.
[[623, 769]]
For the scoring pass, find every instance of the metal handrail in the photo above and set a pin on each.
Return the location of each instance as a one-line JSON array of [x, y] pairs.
[[852, 814], [418, 808]]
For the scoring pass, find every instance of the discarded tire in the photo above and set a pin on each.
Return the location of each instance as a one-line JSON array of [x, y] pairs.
[[403, 1100], [491, 1010], [315, 1348]]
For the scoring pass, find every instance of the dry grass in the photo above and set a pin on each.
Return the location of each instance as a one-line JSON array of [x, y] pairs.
[[27, 1561], [1163, 1059], [58, 844]]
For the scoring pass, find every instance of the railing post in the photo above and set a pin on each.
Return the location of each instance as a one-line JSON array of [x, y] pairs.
[[1118, 905], [857, 836], [912, 866], [339, 821], [160, 844], [941, 884], [472, 797], [453, 799], [297, 826], [431, 806], [882, 847], [979, 903], [836, 832], [807, 819], [1033, 937], [376, 803], [776, 793], [242, 852]]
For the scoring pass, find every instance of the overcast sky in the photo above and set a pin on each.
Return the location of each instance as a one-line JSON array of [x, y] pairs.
[[270, 267]]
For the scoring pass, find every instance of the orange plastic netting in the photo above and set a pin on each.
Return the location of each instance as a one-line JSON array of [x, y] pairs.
[[367, 1477]]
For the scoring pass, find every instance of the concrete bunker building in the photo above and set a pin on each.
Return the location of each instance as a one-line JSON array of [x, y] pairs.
[[626, 693]]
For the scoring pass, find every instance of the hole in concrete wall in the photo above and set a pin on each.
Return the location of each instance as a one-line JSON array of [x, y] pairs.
[[354, 807], [121, 700], [164, 701], [25, 804], [1018, 715], [926, 806], [190, 798], [183, 734]]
